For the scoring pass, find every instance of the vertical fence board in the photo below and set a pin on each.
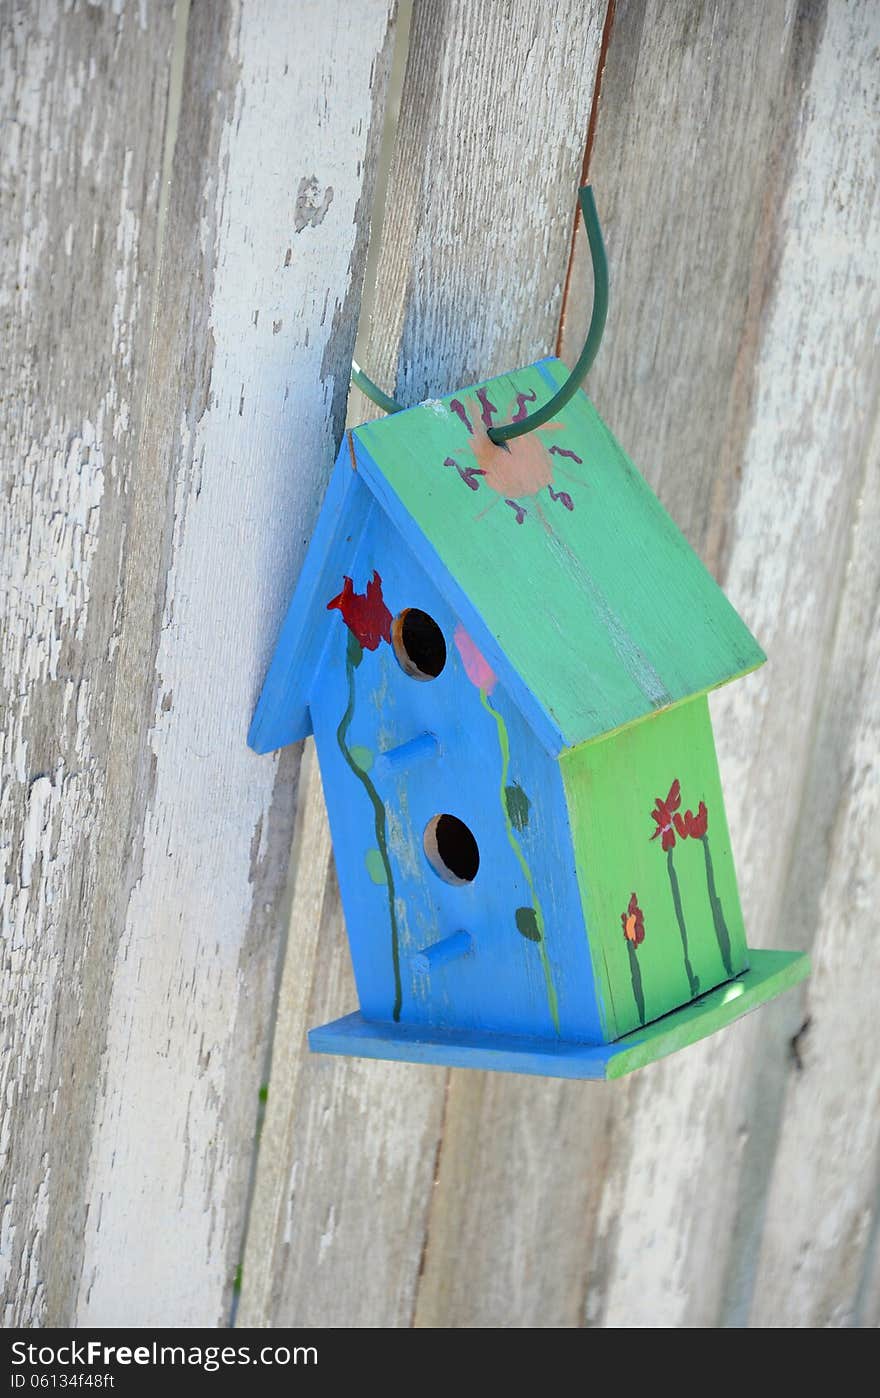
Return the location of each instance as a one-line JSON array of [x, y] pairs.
[[475, 243], [520, 1178], [679, 166], [152, 522], [771, 504], [267, 1230], [867, 1307], [358, 1159], [264, 249], [482, 191], [823, 1203], [83, 92], [545, 1156]]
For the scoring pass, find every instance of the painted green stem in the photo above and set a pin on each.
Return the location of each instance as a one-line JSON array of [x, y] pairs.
[[353, 656], [504, 744], [721, 931], [635, 971], [679, 913]]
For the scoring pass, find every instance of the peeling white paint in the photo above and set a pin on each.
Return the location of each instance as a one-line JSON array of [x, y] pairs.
[[163, 1207], [247, 485], [807, 437], [64, 420]]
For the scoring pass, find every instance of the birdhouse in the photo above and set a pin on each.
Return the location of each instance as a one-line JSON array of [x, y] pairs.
[[504, 652]]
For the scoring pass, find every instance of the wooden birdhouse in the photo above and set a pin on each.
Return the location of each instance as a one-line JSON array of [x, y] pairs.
[[504, 653]]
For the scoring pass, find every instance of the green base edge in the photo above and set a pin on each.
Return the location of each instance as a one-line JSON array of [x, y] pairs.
[[769, 974]]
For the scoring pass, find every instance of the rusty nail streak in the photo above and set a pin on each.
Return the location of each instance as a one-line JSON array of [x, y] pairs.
[[592, 124]]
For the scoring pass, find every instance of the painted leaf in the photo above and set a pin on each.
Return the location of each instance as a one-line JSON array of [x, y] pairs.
[[376, 866], [361, 756], [518, 806], [527, 924]]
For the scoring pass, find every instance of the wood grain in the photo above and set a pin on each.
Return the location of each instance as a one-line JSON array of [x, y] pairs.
[[83, 92], [254, 327], [822, 1207], [153, 519], [708, 1130], [480, 204], [706, 186], [683, 148], [358, 1157], [643, 155], [267, 1234], [530, 1270], [482, 191]]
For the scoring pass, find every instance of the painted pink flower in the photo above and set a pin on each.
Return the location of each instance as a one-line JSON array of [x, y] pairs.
[[365, 614], [662, 814], [690, 825], [476, 666], [633, 922]]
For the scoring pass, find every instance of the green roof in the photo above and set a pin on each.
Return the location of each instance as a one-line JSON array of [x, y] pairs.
[[560, 560]]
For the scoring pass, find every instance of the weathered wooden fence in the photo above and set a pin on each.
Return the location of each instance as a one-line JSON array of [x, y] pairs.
[[187, 193]]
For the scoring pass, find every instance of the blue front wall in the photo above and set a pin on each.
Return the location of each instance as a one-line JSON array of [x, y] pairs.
[[501, 985]]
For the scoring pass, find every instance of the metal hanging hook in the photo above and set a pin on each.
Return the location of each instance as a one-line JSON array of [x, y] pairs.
[[373, 391], [594, 334], [510, 430]]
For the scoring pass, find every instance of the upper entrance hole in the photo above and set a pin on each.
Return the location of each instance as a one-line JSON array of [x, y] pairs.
[[418, 644]]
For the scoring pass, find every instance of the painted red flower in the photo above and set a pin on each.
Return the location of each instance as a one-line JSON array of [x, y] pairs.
[[365, 614], [633, 922], [663, 815], [692, 826]]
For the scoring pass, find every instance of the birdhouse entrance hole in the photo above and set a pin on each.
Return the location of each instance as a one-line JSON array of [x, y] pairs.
[[451, 849], [418, 644]]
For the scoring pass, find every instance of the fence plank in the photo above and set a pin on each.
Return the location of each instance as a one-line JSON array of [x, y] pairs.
[[154, 544], [823, 1203], [475, 244], [680, 1224], [83, 91], [266, 1230], [679, 198], [679, 166], [482, 191], [253, 333]]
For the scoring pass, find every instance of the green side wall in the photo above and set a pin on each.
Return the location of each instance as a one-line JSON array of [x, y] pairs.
[[610, 788]]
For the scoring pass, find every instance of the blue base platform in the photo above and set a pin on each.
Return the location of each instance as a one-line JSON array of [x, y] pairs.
[[770, 973]]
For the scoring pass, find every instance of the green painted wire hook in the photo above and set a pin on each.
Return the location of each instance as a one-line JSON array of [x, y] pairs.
[[373, 391], [585, 359], [594, 334]]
